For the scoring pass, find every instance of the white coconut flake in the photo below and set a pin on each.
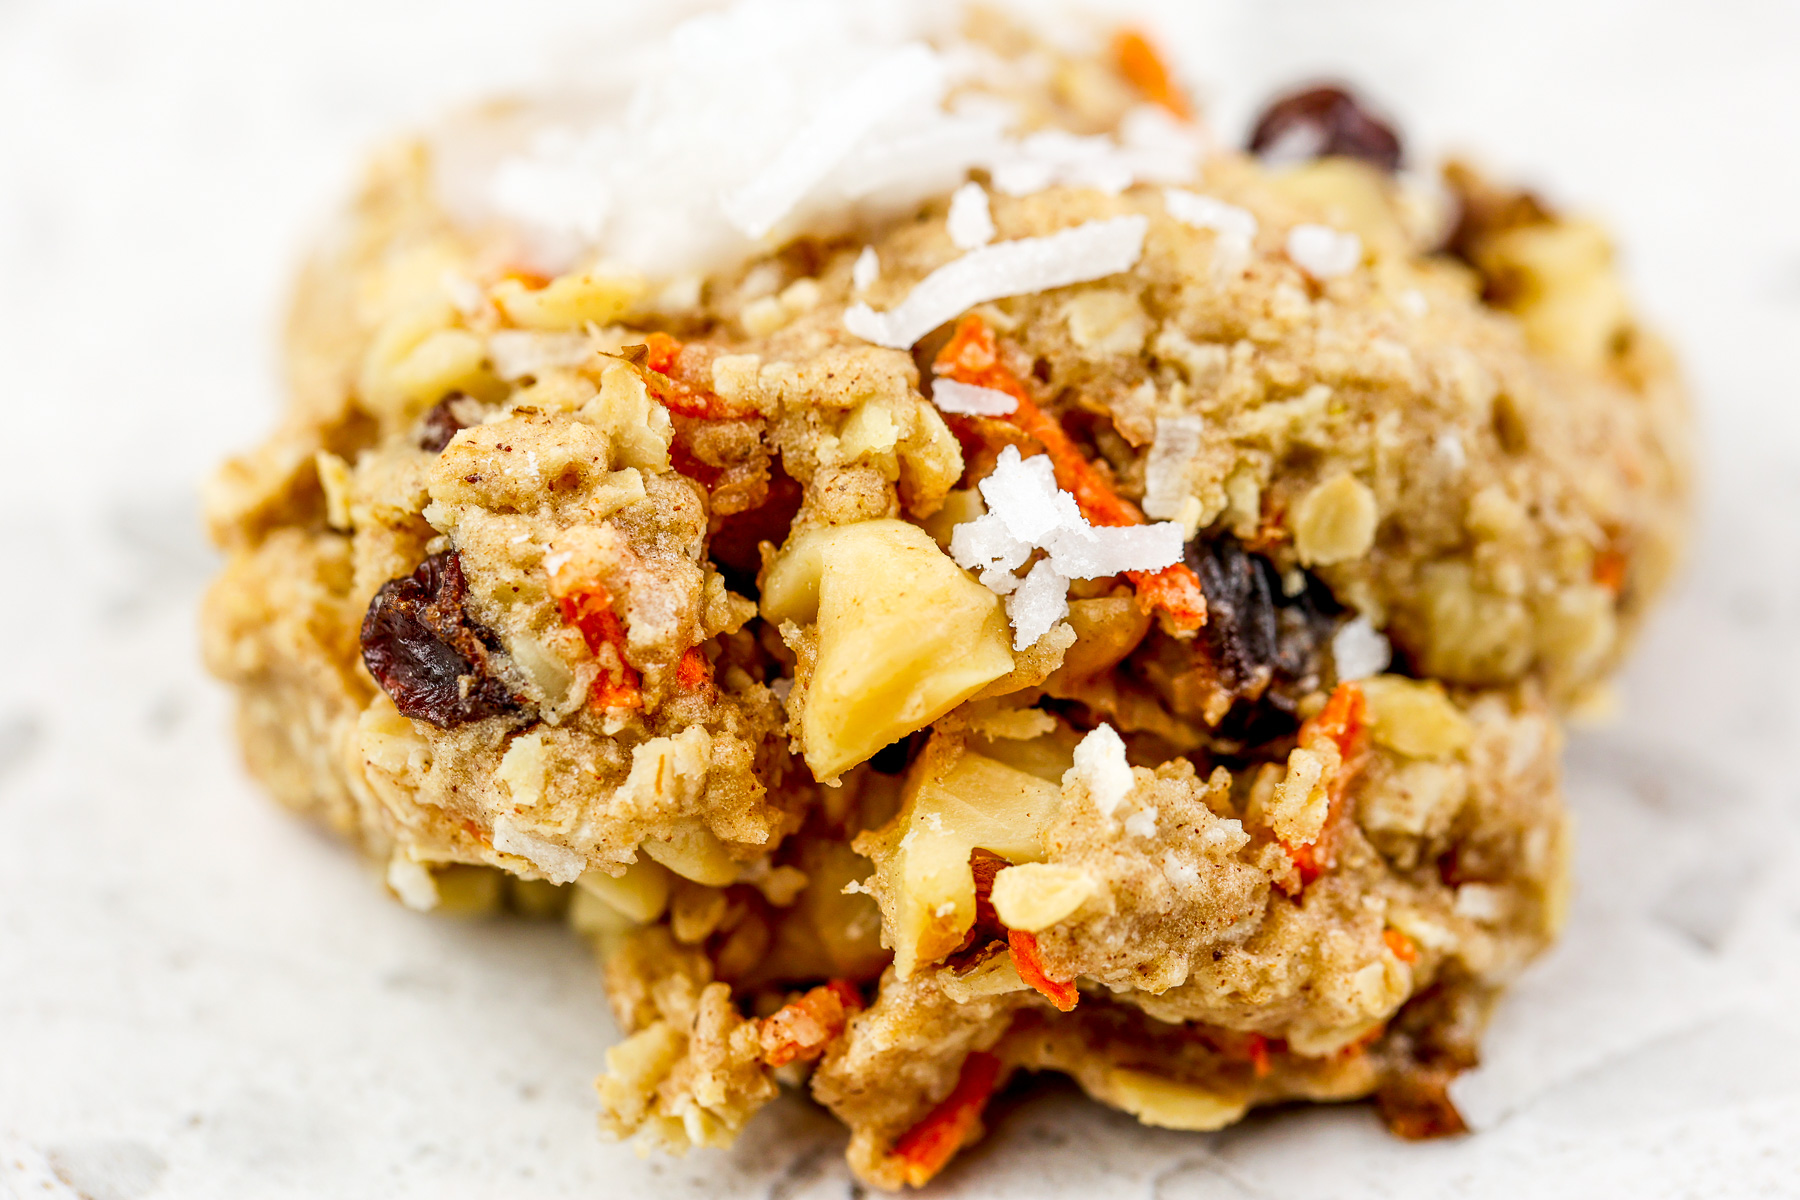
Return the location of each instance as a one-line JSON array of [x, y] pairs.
[[1021, 494], [1172, 453], [970, 222], [907, 74], [1323, 252], [1037, 604], [1026, 512], [1358, 650], [969, 400], [1206, 212], [866, 270], [1096, 551], [857, 887], [1089, 251], [1141, 823], [517, 353], [559, 864], [1100, 764], [985, 547]]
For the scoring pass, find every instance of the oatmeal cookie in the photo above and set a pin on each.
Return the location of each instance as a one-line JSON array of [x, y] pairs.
[[962, 576]]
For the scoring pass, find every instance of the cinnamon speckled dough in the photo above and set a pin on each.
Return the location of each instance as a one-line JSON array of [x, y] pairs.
[[1480, 453]]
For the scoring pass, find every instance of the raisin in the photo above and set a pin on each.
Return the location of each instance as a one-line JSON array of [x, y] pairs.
[[443, 422], [1320, 122], [1484, 211], [421, 646], [1256, 633], [1429, 1042]]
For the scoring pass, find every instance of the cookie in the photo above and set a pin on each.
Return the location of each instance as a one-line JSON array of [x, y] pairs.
[[1079, 599]]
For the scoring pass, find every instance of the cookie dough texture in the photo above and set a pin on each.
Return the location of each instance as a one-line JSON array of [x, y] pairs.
[[1481, 453]]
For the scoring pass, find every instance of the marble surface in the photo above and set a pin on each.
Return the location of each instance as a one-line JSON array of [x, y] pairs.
[[200, 997]]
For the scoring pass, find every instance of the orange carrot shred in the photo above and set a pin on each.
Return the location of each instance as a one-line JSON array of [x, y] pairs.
[[693, 672], [1030, 965], [678, 391], [1609, 570], [1401, 945], [928, 1146], [1258, 1049], [804, 1028], [1144, 67], [972, 356], [1342, 722], [590, 611]]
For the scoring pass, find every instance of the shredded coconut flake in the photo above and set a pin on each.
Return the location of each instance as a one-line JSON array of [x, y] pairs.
[[909, 73], [858, 886], [1141, 823], [866, 270], [1026, 511], [1100, 764], [558, 863], [1089, 251], [970, 222], [1205, 212], [762, 118], [1323, 252], [1359, 650], [1037, 604], [969, 400]]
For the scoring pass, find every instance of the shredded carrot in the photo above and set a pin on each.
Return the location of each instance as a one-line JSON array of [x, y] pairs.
[[972, 356], [677, 390], [1342, 722], [1030, 965], [693, 672], [1609, 570], [1401, 945], [532, 279], [1144, 67], [1259, 1054], [804, 1028], [848, 994], [928, 1146], [590, 611]]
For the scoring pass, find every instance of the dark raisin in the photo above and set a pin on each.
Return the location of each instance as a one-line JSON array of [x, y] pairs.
[[1430, 1041], [1485, 210], [1321, 122], [1259, 654], [1258, 634], [1415, 1104], [421, 646], [442, 423]]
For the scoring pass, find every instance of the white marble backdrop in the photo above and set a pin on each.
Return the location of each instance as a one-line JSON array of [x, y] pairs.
[[199, 997]]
